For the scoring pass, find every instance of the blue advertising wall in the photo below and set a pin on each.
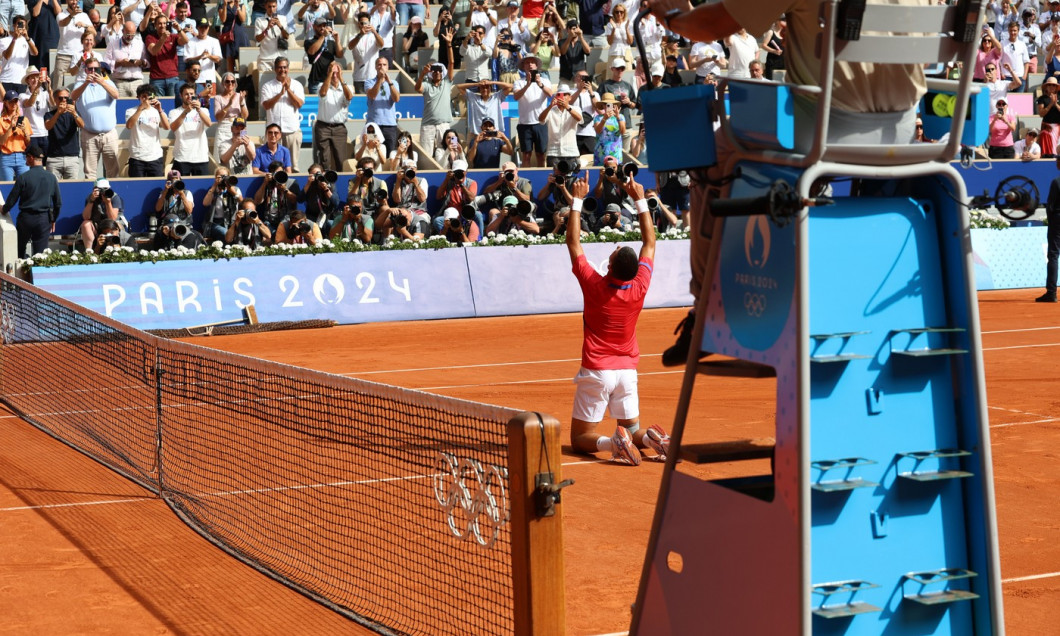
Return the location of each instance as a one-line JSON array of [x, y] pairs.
[[353, 287]]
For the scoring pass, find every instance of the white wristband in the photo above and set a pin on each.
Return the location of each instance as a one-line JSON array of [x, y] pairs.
[[642, 206], [576, 205]]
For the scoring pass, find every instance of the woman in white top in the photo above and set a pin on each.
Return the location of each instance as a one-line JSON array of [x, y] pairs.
[[112, 30], [451, 149], [88, 52], [227, 105], [619, 37], [17, 49], [370, 144], [402, 153], [36, 101]]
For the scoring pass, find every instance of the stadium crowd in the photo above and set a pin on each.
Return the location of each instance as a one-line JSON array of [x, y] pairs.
[[570, 66]]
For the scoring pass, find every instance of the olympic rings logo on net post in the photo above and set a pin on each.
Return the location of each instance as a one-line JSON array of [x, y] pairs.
[[472, 498], [755, 304]]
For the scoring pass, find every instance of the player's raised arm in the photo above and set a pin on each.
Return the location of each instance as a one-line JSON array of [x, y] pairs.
[[647, 227], [579, 189]]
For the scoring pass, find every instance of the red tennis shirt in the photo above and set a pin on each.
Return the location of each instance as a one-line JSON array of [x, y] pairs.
[[610, 316]]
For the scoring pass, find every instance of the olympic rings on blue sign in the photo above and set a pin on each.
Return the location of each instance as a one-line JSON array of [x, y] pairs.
[[472, 498], [755, 304]]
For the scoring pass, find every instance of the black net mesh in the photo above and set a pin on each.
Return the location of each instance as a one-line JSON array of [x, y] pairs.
[[388, 505]]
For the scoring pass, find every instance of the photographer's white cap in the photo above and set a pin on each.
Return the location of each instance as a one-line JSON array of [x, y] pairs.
[[408, 163], [102, 184], [451, 213], [459, 164]]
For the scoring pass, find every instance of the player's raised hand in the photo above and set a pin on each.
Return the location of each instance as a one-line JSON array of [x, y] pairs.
[[580, 188], [634, 189]]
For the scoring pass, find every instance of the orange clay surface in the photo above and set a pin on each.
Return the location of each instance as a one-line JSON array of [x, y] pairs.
[[83, 551]]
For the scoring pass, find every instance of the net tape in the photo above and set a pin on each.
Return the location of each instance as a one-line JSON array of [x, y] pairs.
[[385, 504]]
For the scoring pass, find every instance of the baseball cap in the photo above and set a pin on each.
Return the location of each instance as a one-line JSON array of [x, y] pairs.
[[451, 213], [10, 96], [171, 219], [488, 120], [612, 207], [438, 67], [509, 201], [1001, 100], [321, 21], [418, 20], [563, 88], [657, 68], [35, 151], [459, 164], [173, 174], [203, 22], [239, 121], [102, 183], [618, 63]]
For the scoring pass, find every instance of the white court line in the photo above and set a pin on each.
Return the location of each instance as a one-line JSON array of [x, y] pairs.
[[1045, 421], [479, 366], [1019, 330], [566, 379], [1032, 577], [1030, 346], [79, 503]]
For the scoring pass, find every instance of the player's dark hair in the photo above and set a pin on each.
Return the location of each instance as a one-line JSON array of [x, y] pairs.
[[626, 264]]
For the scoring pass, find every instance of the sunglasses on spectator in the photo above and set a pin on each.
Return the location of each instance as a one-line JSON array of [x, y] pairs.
[[229, 81]]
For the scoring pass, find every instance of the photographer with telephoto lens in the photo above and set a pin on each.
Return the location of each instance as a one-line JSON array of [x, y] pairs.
[[460, 227], [100, 204], [174, 199], [365, 189], [508, 184], [175, 231], [247, 228], [410, 191], [661, 213], [457, 190], [276, 197], [318, 197], [110, 235], [402, 223], [514, 214], [221, 201], [354, 225], [609, 188], [298, 230], [555, 193]]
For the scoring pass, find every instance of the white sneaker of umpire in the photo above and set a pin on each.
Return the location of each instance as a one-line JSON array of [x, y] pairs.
[[657, 439], [623, 450]]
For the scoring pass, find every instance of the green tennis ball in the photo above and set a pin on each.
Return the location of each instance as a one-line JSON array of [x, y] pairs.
[[939, 105], [950, 105]]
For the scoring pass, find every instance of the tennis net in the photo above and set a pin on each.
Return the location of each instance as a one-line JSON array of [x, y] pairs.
[[388, 505]]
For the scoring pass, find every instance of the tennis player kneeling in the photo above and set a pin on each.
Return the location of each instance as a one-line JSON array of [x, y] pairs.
[[612, 304]]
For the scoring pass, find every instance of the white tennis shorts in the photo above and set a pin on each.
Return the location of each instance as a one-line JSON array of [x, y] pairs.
[[614, 389]]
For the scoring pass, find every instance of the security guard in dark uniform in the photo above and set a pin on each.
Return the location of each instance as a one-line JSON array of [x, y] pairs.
[[37, 193]]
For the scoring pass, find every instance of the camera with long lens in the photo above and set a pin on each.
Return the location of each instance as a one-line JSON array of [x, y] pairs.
[[509, 176], [300, 228], [566, 172], [653, 204], [111, 239], [454, 224], [329, 176], [468, 211], [352, 210], [458, 175], [410, 174], [398, 219], [280, 177], [380, 195], [177, 186], [628, 170], [179, 230], [229, 180], [106, 193], [523, 209], [367, 173]]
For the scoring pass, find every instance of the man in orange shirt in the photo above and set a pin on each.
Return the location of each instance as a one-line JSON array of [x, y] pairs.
[[14, 138]]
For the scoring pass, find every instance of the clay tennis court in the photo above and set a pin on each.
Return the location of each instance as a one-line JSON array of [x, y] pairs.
[[86, 551]]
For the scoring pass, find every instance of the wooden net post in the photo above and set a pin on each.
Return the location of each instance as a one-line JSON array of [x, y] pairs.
[[536, 524]]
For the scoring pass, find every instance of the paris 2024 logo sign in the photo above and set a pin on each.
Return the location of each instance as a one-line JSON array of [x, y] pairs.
[[757, 272]]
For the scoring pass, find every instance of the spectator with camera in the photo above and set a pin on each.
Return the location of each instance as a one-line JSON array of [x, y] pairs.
[[437, 109], [508, 184], [314, 10], [1002, 125], [532, 94], [15, 133], [73, 22], [161, 50], [663, 217], [184, 24], [410, 191], [402, 223], [365, 189], [204, 49], [323, 49], [35, 101], [175, 231], [237, 153], [275, 198], [221, 202], [364, 47], [110, 234], [555, 194], [174, 199], [64, 139], [247, 228], [383, 96], [298, 230], [514, 215], [353, 225], [459, 228], [457, 189], [281, 97], [77, 68], [402, 154], [318, 197], [610, 128], [271, 35], [384, 20], [451, 150], [191, 150], [610, 186], [101, 204], [17, 49], [370, 144], [476, 56], [584, 99], [445, 31], [674, 190], [573, 52], [95, 99], [506, 57], [330, 147], [127, 58], [487, 146], [271, 151], [518, 30], [414, 39], [563, 121]]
